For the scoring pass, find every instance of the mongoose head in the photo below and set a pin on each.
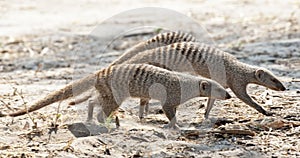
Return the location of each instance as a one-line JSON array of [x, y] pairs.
[[213, 90], [266, 78]]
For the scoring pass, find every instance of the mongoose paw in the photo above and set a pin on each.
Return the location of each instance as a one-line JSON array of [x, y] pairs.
[[206, 115], [141, 118], [89, 120], [169, 126]]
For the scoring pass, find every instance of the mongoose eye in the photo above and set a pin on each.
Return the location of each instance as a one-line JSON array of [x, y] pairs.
[[204, 85]]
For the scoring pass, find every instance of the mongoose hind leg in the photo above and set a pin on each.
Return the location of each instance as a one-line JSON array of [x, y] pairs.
[[92, 102], [241, 93], [108, 106], [144, 107], [209, 106], [91, 105], [170, 112]]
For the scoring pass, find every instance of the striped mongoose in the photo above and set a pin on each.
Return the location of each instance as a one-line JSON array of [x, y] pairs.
[[161, 39], [212, 63], [208, 62], [116, 83]]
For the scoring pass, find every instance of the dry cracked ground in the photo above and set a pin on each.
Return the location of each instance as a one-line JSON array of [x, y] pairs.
[[35, 63]]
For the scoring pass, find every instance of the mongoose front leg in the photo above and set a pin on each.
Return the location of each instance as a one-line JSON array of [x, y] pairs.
[[241, 93], [170, 112], [210, 104], [147, 108], [91, 105], [144, 106]]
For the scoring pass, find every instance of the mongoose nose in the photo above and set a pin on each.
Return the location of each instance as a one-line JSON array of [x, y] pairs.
[[228, 96], [283, 88], [280, 87]]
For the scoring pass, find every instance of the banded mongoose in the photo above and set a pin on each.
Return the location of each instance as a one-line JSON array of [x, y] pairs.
[[116, 83], [212, 63], [158, 40], [161, 39], [209, 62]]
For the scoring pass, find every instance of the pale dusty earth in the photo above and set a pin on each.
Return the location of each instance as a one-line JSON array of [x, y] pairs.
[[45, 45]]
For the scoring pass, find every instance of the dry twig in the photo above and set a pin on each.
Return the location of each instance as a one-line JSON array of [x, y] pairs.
[[235, 132]]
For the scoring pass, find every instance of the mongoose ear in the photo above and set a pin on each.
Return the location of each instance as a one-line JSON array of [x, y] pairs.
[[204, 85], [259, 74]]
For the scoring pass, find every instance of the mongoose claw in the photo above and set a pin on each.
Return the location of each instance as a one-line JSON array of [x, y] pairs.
[[269, 113]]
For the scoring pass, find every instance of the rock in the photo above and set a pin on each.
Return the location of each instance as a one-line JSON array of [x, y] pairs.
[[85, 130]]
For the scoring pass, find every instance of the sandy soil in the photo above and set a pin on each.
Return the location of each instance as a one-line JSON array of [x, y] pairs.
[[44, 46]]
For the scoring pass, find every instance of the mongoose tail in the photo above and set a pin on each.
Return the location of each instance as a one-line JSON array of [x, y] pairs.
[[80, 100], [70, 90], [159, 40]]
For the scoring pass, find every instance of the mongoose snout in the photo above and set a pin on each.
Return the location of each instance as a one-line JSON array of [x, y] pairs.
[[266, 78], [213, 90], [280, 87], [225, 95], [283, 88]]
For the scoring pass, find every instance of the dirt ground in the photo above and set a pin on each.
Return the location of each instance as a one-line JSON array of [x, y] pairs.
[[44, 46]]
